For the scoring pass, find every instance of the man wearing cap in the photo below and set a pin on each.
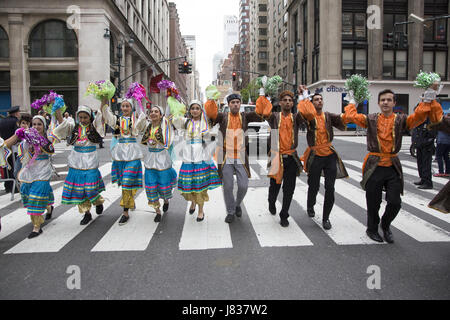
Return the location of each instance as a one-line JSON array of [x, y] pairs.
[[284, 164], [320, 158], [8, 127], [232, 145]]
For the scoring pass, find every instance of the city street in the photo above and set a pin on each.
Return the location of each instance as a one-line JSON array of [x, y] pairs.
[[253, 258]]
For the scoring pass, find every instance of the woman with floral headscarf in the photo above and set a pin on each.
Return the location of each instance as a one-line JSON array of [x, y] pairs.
[[34, 152], [84, 182], [198, 173], [126, 153], [160, 177]]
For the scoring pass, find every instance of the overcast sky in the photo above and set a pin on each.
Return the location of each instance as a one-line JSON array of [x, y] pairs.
[[204, 19]]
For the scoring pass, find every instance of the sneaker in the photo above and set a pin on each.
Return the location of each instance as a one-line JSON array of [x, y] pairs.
[[123, 220], [87, 217], [157, 218], [229, 218], [99, 209], [238, 212], [284, 223]]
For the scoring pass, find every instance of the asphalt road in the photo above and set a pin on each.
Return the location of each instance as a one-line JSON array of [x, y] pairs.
[[243, 261]]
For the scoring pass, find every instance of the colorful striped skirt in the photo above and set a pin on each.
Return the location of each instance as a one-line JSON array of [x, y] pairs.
[[36, 196], [82, 185], [159, 184], [196, 178], [127, 174]]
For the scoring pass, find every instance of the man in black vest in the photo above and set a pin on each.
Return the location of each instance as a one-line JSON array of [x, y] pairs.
[[8, 127]]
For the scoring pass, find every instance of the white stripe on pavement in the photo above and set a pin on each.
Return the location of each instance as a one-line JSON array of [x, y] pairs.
[[413, 226], [345, 230], [267, 227], [60, 231], [135, 235], [211, 233]]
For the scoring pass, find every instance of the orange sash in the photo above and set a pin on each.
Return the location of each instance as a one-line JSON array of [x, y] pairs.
[[307, 153], [377, 154]]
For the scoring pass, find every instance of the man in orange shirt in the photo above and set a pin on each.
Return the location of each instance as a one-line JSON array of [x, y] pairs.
[[321, 157], [382, 167], [285, 165]]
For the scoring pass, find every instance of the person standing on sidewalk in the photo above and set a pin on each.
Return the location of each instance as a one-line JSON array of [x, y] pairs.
[[284, 164], [8, 127], [321, 158], [232, 146], [442, 154]]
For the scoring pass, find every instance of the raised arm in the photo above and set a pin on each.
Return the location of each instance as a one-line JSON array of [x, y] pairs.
[[419, 116], [351, 115], [212, 111], [107, 116], [305, 107], [263, 107]]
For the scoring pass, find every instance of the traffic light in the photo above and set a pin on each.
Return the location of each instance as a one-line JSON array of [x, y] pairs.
[[234, 76], [185, 67], [403, 41], [390, 40]]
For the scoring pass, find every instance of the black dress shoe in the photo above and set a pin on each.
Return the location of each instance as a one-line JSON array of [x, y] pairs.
[[123, 220], [191, 211], [99, 209], [311, 212], [388, 236], [87, 217], [419, 183], [229, 218], [201, 219], [238, 212], [374, 236], [48, 215], [326, 225], [34, 234], [165, 207], [272, 209], [425, 186], [157, 218], [284, 223]]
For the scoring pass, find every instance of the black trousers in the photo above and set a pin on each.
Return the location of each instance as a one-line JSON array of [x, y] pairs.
[[329, 168], [289, 179], [424, 162], [383, 177], [10, 174]]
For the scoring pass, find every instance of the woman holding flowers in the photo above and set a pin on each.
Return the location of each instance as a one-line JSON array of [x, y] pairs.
[[34, 153], [198, 174], [126, 154], [160, 177]]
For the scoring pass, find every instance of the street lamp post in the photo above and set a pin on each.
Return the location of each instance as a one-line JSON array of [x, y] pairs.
[[294, 50]]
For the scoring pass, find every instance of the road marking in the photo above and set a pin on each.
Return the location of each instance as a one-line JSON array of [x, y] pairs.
[[345, 230], [211, 233], [406, 222], [60, 231], [135, 235], [267, 227]]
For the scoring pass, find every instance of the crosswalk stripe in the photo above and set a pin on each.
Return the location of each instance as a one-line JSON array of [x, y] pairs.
[[59, 231], [135, 235], [413, 226], [254, 175], [211, 233], [346, 230], [263, 167], [267, 227]]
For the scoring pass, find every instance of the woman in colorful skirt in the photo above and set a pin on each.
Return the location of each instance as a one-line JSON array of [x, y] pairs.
[[160, 177], [198, 173], [126, 153], [37, 194], [84, 182]]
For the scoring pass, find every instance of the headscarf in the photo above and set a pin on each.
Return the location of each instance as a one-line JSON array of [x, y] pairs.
[[85, 109], [130, 101], [42, 119], [204, 124]]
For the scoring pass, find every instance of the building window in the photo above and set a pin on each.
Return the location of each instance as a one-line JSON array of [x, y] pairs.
[[263, 31], [305, 28], [395, 64], [436, 31], [263, 8], [354, 61], [353, 26], [304, 71], [4, 44], [436, 61], [262, 67], [262, 43], [316, 22], [389, 20], [53, 39], [262, 19], [262, 55], [285, 56]]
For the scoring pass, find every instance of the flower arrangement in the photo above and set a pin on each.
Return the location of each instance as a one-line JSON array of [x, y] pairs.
[[170, 88], [425, 80], [50, 103], [270, 85], [137, 91], [100, 89], [358, 87], [33, 137], [212, 93]]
